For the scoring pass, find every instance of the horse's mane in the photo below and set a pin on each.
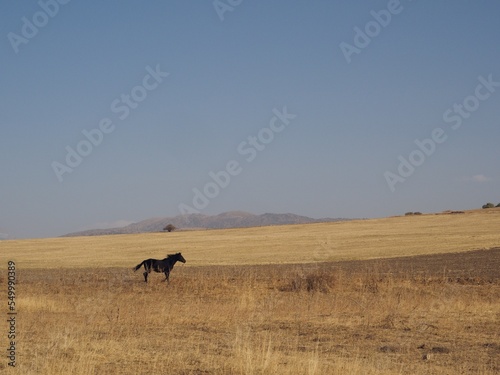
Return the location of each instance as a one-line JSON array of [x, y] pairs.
[[171, 255]]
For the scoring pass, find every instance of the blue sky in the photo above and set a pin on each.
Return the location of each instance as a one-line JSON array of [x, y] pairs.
[[352, 116]]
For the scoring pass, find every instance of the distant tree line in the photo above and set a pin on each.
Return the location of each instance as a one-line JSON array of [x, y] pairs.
[[490, 205], [413, 213]]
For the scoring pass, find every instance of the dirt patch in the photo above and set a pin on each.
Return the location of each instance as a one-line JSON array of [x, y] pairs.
[[472, 267]]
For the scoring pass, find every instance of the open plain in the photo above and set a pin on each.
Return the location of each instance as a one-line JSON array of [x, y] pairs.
[[400, 295]]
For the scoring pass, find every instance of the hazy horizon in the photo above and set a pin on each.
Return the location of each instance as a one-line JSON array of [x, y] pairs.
[[121, 111]]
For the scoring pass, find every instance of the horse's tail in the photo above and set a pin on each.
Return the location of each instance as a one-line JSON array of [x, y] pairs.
[[138, 266]]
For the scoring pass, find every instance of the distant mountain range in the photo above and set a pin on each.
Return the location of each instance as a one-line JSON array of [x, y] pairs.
[[233, 219]]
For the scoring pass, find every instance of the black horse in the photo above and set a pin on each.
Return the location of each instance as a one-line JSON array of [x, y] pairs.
[[164, 265]]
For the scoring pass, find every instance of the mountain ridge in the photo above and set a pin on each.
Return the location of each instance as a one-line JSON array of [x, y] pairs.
[[225, 220]]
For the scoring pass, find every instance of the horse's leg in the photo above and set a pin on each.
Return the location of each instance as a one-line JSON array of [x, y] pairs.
[[167, 274], [145, 276]]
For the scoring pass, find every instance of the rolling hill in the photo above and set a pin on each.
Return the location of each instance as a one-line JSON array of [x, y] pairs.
[[226, 220]]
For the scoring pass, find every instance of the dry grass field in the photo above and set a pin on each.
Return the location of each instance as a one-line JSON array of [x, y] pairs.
[[403, 295]]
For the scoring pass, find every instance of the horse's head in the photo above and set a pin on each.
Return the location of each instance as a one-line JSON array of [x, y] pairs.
[[180, 258], [177, 257]]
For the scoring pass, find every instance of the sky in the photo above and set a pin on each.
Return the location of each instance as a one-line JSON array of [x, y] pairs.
[[113, 112]]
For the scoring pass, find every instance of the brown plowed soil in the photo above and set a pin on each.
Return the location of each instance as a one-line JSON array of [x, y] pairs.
[[476, 264]]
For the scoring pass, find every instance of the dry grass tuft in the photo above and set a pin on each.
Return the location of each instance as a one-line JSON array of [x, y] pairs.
[[316, 281]]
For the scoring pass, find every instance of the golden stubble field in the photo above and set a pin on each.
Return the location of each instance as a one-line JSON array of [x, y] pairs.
[[307, 299]]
